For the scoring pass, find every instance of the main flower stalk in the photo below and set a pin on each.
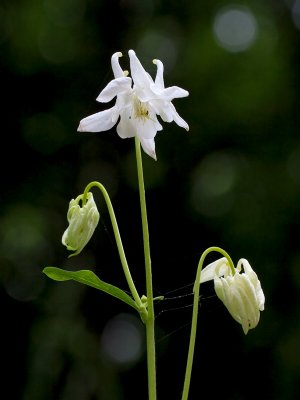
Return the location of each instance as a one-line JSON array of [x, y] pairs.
[[150, 334]]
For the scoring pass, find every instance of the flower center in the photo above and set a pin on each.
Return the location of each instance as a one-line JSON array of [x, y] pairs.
[[140, 110]]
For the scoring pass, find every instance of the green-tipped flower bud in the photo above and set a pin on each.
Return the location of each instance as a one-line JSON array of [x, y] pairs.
[[240, 292], [82, 223]]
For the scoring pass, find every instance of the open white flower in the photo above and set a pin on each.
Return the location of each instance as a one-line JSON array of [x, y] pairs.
[[82, 223], [139, 100], [241, 293]]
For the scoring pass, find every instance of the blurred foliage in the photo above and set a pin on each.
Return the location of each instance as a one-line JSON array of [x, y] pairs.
[[232, 181]]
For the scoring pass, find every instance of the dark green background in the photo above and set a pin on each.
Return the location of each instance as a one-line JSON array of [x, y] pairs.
[[232, 181]]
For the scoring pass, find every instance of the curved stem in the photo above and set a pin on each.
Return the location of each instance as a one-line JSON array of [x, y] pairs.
[[117, 237], [150, 334], [189, 364]]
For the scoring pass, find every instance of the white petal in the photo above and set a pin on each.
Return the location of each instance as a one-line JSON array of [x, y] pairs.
[[243, 263], [148, 146], [219, 289], [243, 281], [209, 272], [159, 79], [248, 298], [226, 293], [140, 77], [234, 301], [245, 325], [174, 92], [260, 298], [147, 129], [168, 113], [99, 122], [117, 70], [163, 109], [255, 281], [125, 128], [113, 88], [179, 121]]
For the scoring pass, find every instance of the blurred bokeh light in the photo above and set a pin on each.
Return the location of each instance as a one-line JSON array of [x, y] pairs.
[[235, 28]]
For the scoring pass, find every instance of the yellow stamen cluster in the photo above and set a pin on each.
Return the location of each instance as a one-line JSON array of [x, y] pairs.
[[140, 110]]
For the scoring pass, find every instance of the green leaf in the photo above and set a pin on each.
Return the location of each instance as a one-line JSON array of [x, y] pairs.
[[88, 277]]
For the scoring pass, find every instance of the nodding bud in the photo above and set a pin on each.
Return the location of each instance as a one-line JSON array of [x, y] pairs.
[[82, 223], [242, 295], [240, 292]]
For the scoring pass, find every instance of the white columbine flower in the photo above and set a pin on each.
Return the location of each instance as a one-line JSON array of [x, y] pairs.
[[241, 293], [82, 223], [139, 100]]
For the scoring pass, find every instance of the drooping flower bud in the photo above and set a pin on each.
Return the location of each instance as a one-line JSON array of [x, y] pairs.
[[241, 293], [82, 223]]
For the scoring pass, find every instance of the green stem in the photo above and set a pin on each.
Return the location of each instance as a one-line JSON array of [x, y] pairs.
[[124, 263], [189, 364], [151, 363]]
